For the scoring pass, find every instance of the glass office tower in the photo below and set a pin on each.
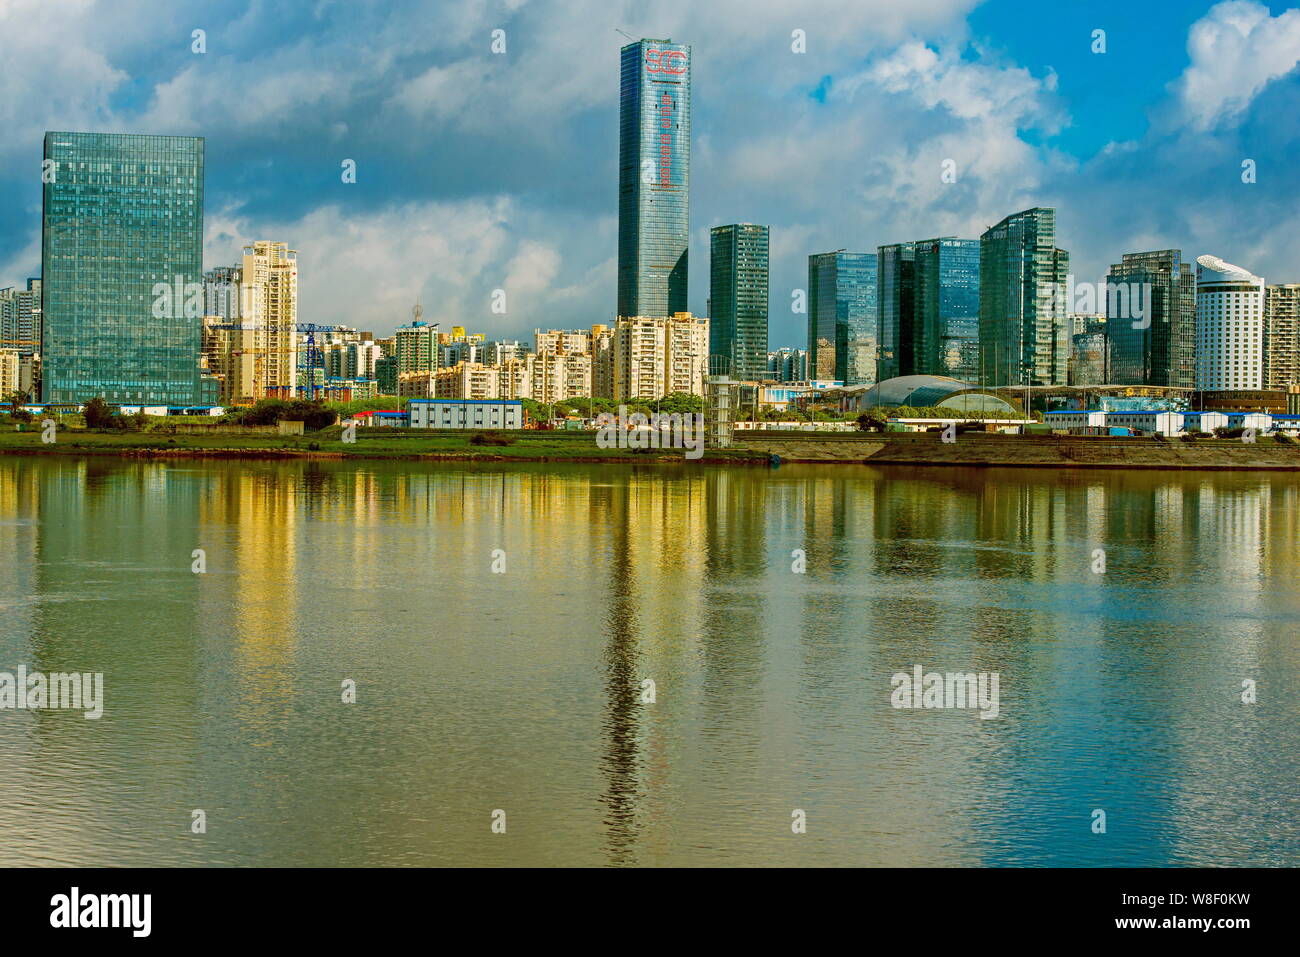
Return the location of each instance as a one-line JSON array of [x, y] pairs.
[[1024, 322], [842, 317], [654, 177], [1157, 347], [896, 291], [122, 220], [947, 308], [738, 298]]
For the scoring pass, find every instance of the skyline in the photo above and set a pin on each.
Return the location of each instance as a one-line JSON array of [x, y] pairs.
[[917, 89]]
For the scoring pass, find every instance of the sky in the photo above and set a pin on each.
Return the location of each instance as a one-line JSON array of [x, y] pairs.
[[479, 170]]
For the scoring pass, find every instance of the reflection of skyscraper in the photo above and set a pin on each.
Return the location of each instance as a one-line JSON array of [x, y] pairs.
[[123, 219], [842, 317], [738, 298], [654, 165]]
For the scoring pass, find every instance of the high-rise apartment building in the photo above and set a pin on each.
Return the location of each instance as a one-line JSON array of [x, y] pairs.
[[1281, 336], [121, 254], [654, 356], [1024, 321], [842, 317], [415, 347], [738, 298], [20, 318], [1151, 320], [654, 156], [268, 336], [1229, 327]]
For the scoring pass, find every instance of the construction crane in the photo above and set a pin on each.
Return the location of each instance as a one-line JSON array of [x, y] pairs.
[[309, 359]]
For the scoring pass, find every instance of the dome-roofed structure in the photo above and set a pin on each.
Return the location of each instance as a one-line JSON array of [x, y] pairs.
[[923, 391]]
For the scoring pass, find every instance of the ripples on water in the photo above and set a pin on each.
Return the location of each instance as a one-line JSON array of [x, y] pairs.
[[522, 691]]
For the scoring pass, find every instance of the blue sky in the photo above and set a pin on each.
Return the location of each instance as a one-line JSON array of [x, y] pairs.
[[478, 171]]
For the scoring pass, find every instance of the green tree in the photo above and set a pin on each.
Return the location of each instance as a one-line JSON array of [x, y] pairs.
[[99, 414], [17, 399]]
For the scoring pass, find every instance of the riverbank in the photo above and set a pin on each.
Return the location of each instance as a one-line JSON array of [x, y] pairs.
[[971, 449], [988, 450], [524, 446]]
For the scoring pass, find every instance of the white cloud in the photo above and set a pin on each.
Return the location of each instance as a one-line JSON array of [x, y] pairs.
[[368, 269], [1236, 50]]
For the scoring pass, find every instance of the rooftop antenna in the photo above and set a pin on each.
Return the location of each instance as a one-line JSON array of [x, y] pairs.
[[617, 30], [417, 312]]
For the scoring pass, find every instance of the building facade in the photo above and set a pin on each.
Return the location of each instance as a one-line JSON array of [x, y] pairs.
[[896, 308], [121, 254], [654, 157], [466, 414], [1024, 322], [787, 365], [654, 356], [738, 298], [842, 317], [1281, 336], [1229, 327], [946, 308], [1151, 320], [1089, 352], [415, 347], [20, 318]]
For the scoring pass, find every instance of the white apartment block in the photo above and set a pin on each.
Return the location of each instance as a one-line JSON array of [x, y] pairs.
[[1229, 327]]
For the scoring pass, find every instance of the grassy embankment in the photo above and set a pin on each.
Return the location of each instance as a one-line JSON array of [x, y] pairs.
[[372, 443]]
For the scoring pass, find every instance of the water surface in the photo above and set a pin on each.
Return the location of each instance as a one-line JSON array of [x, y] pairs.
[[521, 691]]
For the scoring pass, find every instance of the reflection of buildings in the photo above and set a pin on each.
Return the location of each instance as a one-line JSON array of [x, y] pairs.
[[249, 524]]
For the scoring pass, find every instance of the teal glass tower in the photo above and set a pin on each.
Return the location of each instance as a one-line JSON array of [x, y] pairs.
[[842, 319], [738, 298], [654, 177], [1024, 321], [122, 218], [947, 308]]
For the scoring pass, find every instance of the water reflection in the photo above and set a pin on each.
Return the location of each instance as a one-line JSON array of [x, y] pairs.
[[522, 691]]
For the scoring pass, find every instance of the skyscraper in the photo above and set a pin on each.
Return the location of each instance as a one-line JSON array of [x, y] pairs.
[[946, 308], [896, 297], [1229, 327], [1024, 327], [654, 167], [738, 298], [1151, 320], [122, 248], [842, 317]]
